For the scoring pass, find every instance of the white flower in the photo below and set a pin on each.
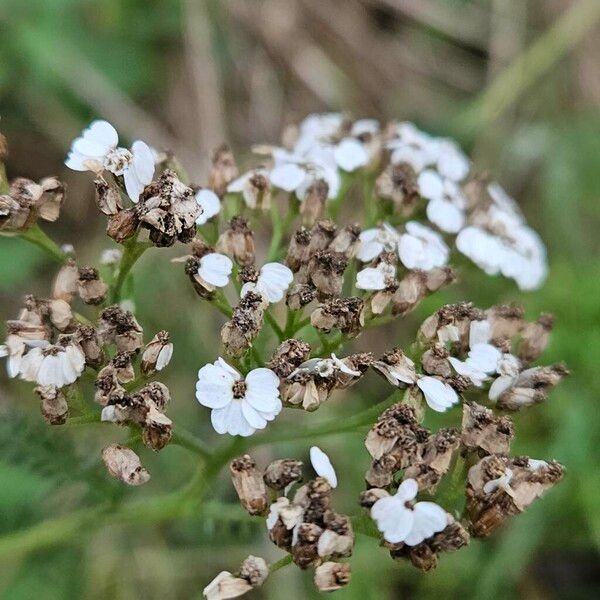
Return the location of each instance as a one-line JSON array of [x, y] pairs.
[[422, 248], [399, 522], [56, 365], [451, 162], [440, 396], [215, 269], [210, 204], [376, 278], [446, 201], [290, 514], [372, 242], [509, 368], [272, 283], [499, 241], [97, 149], [412, 146], [322, 465], [243, 185], [483, 357], [350, 154], [239, 406]]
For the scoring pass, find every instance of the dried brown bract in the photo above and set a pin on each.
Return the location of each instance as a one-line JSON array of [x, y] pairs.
[[484, 432], [246, 322], [345, 314], [91, 288], [249, 484], [55, 409], [120, 327], [288, 356], [124, 464], [168, 209], [223, 170]]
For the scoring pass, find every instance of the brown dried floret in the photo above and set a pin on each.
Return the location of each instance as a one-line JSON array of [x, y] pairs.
[[398, 183], [298, 253], [281, 473], [91, 288], [345, 314], [288, 356], [223, 169], [312, 206], [300, 295], [237, 241], [484, 432], [120, 327], [499, 487], [535, 337], [245, 324], [168, 209], [54, 407], [326, 272], [124, 464], [249, 484], [346, 241], [331, 576], [417, 285]]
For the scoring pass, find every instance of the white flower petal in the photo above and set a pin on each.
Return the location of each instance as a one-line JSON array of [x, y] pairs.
[[262, 390], [428, 519], [287, 177], [214, 387], [322, 465], [480, 332], [370, 278], [445, 215], [231, 420], [438, 395], [210, 204], [431, 185], [350, 154], [215, 269], [252, 416]]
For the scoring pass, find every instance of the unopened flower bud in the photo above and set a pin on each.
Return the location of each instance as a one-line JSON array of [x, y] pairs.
[[157, 353], [237, 241], [55, 409], [249, 485], [223, 170], [254, 570], [91, 288], [280, 473], [124, 464], [331, 576]]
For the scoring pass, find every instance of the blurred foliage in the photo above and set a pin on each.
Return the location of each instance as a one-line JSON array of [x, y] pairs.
[[65, 61]]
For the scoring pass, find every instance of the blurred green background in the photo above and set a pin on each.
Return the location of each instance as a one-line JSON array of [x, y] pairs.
[[186, 75]]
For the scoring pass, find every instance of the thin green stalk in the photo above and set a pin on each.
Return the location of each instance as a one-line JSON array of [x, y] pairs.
[[270, 319], [282, 562], [36, 236], [133, 251]]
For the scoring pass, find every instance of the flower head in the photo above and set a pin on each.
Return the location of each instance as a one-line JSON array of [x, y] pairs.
[[239, 406], [96, 150], [272, 282], [422, 248], [401, 522]]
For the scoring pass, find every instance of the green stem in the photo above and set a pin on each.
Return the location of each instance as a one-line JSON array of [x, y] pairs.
[[133, 251], [36, 236], [270, 319], [282, 562]]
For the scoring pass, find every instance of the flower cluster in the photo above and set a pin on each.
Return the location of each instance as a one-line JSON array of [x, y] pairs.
[[291, 314], [300, 520]]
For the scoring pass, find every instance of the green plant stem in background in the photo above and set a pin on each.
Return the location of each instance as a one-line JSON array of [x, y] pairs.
[[569, 29], [36, 236], [282, 562], [132, 252]]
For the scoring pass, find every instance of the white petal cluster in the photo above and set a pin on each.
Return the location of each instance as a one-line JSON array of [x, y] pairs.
[[422, 248], [325, 367], [210, 204], [446, 206], [420, 150], [239, 406], [97, 149], [439, 395], [273, 281], [402, 523], [500, 242], [243, 185], [419, 247], [52, 364], [322, 465], [485, 360], [215, 270]]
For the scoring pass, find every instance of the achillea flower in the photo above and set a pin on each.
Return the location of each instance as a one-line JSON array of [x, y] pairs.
[[97, 150], [239, 405], [57, 364], [272, 282], [400, 521]]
